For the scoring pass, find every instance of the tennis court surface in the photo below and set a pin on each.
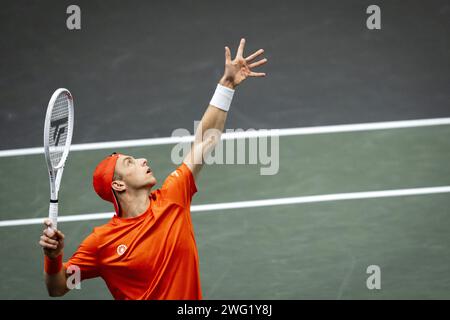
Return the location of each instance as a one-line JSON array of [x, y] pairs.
[[294, 251]]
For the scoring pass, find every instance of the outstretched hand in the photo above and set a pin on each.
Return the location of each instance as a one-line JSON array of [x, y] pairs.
[[240, 68]]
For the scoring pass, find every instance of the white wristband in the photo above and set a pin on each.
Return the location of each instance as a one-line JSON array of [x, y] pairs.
[[222, 97]]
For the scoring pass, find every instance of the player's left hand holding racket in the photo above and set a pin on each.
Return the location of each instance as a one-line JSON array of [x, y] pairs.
[[57, 139]]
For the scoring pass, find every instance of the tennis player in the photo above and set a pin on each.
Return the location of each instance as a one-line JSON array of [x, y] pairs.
[[148, 250]]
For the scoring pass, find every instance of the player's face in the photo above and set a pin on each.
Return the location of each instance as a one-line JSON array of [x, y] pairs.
[[135, 172]]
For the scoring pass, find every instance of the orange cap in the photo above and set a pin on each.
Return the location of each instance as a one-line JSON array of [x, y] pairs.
[[103, 177]]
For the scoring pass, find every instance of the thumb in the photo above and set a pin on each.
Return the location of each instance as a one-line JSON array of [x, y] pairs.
[[49, 232]]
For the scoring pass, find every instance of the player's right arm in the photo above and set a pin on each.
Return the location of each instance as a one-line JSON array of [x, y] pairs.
[[53, 245]]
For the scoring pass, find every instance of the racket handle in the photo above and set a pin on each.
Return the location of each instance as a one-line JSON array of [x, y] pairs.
[[53, 214]]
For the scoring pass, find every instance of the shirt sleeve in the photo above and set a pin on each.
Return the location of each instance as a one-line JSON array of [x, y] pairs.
[[179, 186], [85, 258]]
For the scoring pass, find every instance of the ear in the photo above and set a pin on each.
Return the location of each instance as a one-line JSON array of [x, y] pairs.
[[118, 185]]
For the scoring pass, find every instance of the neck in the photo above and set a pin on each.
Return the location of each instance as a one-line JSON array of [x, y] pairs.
[[135, 203]]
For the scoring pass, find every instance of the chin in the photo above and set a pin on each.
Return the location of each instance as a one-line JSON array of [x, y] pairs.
[[152, 182]]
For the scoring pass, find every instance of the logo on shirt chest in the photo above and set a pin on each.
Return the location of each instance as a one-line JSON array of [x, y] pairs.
[[121, 249]]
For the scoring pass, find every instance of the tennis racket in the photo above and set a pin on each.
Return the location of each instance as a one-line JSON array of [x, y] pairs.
[[57, 139]]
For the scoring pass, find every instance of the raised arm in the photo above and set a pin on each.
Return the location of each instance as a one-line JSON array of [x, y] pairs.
[[213, 121]]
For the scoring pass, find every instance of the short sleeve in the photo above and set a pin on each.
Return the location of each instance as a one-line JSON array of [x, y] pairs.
[[179, 186], [86, 258]]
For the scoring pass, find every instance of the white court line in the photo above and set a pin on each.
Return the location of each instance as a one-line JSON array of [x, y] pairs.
[[254, 204], [241, 135]]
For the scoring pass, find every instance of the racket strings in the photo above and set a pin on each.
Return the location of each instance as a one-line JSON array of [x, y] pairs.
[[59, 127]]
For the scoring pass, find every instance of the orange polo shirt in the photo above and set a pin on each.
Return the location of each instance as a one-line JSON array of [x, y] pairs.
[[152, 256]]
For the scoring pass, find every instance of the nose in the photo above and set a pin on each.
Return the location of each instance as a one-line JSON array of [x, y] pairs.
[[144, 162]]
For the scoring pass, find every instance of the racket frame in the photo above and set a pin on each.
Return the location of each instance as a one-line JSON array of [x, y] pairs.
[[55, 173]]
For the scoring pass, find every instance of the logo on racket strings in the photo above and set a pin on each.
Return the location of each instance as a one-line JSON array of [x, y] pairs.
[[59, 128]]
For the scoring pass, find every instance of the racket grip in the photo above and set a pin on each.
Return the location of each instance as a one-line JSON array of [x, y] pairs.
[[53, 214]]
